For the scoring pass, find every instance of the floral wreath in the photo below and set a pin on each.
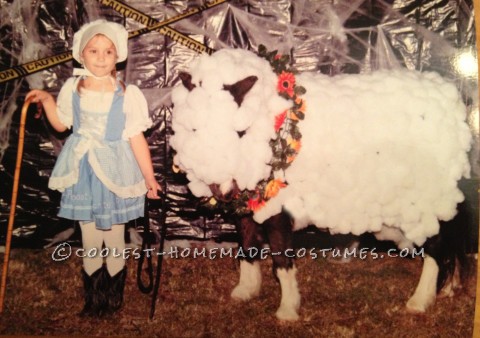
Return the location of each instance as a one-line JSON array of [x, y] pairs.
[[285, 146]]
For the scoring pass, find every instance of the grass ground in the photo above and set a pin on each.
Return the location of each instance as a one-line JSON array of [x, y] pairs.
[[363, 298]]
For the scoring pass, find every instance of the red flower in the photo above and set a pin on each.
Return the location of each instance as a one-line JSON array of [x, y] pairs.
[[277, 57], [279, 119], [255, 204], [286, 82]]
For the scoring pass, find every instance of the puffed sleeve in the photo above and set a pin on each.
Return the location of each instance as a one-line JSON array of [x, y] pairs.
[[64, 103], [136, 111]]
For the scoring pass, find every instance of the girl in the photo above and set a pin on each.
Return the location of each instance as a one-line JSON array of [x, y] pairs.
[[104, 168]]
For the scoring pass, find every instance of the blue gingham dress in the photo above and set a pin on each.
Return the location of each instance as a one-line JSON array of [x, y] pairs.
[[96, 170]]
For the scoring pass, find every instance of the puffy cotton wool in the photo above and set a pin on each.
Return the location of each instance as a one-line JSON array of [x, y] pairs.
[[385, 148]]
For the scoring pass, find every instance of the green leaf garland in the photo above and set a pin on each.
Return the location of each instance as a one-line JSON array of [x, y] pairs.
[[285, 146]]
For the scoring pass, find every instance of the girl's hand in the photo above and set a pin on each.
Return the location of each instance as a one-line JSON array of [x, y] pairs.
[[38, 95], [153, 189], [49, 107]]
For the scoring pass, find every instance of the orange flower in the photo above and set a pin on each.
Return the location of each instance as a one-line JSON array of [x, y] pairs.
[[279, 119], [273, 187], [294, 144], [286, 82], [255, 204], [303, 105], [292, 116]]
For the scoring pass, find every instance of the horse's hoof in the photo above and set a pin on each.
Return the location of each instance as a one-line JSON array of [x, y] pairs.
[[415, 306], [287, 314], [449, 288], [242, 293]]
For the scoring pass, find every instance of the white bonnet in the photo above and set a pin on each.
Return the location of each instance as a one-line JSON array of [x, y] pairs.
[[114, 31]]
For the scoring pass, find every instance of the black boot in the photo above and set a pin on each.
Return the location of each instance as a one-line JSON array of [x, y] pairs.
[[116, 285], [95, 287]]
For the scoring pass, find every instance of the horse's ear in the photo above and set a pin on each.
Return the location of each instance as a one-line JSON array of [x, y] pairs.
[[241, 88], [187, 80]]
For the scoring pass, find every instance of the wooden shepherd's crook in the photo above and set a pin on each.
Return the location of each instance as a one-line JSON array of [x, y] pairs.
[[16, 178]]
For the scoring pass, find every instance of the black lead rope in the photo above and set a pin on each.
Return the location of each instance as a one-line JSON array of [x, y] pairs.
[[147, 241], [147, 250], [146, 246], [160, 254]]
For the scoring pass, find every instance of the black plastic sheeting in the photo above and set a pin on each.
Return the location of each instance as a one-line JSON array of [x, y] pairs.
[[422, 35]]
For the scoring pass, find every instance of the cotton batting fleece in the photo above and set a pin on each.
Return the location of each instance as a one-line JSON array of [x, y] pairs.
[[96, 171]]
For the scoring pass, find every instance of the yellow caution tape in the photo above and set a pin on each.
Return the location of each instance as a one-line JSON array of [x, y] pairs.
[[132, 13], [154, 25], [34, 66]]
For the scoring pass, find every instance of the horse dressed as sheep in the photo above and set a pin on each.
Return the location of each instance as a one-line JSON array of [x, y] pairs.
[[380, 152]]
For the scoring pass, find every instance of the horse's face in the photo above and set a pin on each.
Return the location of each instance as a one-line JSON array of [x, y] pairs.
[[223, 119]]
